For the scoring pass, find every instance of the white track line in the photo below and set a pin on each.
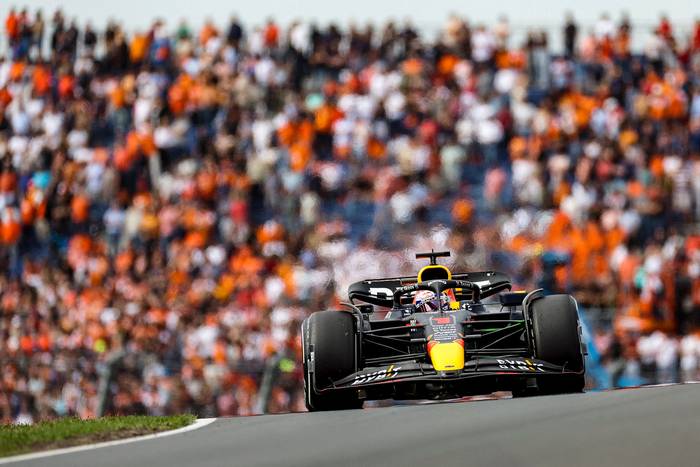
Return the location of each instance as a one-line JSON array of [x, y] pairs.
[[199, 423]]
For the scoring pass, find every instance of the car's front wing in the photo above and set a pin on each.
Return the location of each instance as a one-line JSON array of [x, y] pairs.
[[475, 368]]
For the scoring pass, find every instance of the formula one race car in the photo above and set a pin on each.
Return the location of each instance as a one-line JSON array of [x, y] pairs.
[[439, 339]]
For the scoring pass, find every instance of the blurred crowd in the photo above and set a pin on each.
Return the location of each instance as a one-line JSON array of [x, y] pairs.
[[173, 202]]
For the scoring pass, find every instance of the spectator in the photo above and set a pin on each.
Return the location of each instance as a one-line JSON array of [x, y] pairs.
[[570, 34]]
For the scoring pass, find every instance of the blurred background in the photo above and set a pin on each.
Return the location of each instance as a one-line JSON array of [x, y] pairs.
[[176, 195]]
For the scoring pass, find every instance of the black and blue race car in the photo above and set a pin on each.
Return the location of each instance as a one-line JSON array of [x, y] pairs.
[[439, 335]]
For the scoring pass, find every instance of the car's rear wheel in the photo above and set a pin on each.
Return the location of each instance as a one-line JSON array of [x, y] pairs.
[[555, 328], [329, 355]]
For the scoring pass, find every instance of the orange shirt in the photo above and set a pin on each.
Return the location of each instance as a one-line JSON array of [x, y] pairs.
[[271, 35], [17, 71], [80, 208], [326, 116], [446, 64], [12, 26], [206, 184], [41, 79], [65, 86], [375, 148], [138, 47], [10, 228], [207, 32]]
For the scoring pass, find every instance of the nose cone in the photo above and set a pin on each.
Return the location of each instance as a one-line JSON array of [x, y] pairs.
[[447, 356]]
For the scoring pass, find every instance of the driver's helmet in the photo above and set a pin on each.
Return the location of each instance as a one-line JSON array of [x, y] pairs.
[[425, 301]]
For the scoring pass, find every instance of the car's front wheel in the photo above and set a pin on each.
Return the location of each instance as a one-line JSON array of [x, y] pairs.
[[329, 355], [557, 340]]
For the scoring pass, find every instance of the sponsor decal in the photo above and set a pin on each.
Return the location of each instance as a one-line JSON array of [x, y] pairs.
[[522, 365], [444, 328], [386, 373], [445, 346], [377, 291]]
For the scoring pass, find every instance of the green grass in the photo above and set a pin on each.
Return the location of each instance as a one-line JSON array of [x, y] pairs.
[[17, 439]]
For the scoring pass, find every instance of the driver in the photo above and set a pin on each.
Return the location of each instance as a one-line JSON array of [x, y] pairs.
[[426, 302]]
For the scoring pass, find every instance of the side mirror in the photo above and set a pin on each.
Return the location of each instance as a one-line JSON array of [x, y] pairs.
[[512, 298]]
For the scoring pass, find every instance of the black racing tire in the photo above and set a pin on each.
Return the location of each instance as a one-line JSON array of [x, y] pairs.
[[555, 328], [330, 335]]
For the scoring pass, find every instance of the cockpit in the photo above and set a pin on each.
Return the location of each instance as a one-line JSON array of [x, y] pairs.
[[449, 291]]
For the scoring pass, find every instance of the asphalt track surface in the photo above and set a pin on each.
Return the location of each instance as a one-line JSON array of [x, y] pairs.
[[657, 426]]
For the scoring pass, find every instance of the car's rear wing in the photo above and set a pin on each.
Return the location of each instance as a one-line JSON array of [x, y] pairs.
[[381, 291]]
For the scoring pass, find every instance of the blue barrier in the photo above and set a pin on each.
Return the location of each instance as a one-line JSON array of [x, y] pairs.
[[594, 367]]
